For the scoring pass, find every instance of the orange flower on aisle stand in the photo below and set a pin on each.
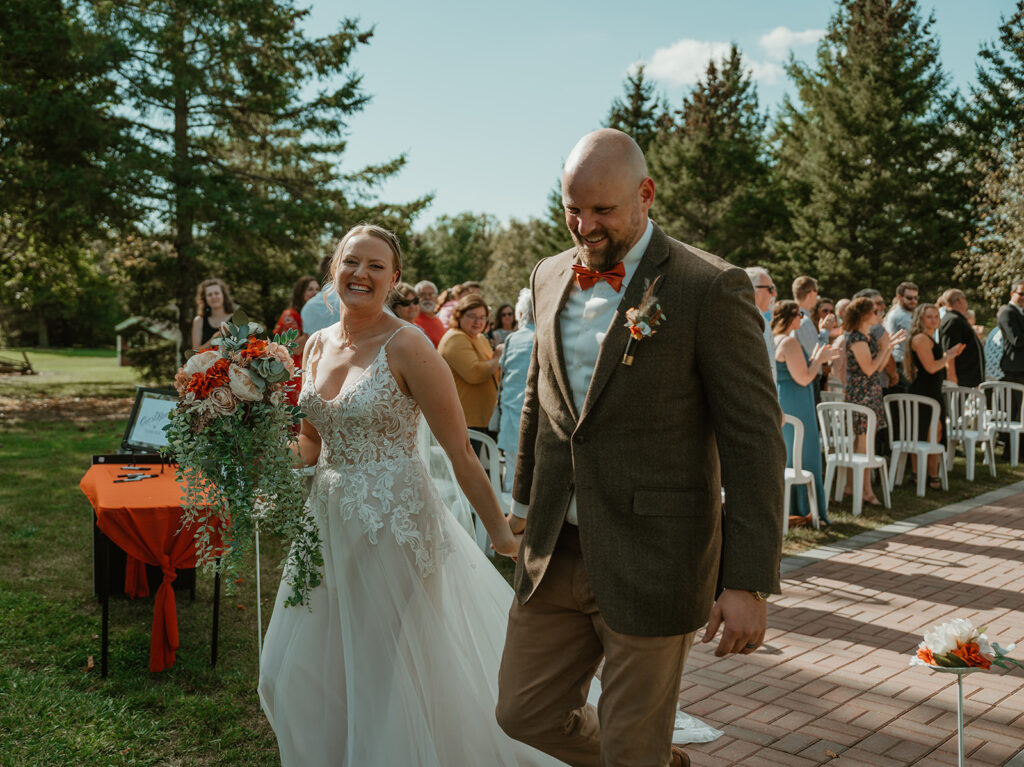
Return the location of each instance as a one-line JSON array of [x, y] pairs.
[[971, 655], [958, 644]]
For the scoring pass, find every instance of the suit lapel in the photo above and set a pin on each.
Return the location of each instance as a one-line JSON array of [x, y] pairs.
[[614, 344], [565, 280]]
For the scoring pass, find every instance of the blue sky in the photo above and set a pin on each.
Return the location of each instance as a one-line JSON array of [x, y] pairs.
[[487, 99]]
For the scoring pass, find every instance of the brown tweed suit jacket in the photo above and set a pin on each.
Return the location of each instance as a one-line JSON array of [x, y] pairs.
[[654, 444]]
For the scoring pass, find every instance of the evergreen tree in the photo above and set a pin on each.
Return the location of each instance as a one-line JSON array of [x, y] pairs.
[[994, 256], [997, 110], [868, 159], [454, 249], [710, 169], [242, 118], [640, 113]]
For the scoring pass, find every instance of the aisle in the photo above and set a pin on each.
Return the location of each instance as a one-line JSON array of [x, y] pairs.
[[832, 685]]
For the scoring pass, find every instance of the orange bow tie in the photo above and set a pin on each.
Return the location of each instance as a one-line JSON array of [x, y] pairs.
[[587, 278]]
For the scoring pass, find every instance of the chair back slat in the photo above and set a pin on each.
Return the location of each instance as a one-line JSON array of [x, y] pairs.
[[908, 417], [798, 440], [836, 422]]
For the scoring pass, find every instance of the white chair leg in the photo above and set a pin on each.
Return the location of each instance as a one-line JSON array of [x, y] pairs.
[[970, 454], [830, 473], [886, 498], [944, 475], [812, 496], [1014, 447], [895, 470], [785, 507], [841, 482], [922, 473], [990, 449], [858, 490]]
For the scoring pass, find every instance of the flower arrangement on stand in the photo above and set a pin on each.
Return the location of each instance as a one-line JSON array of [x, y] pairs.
[[230, 438], [957, 647]]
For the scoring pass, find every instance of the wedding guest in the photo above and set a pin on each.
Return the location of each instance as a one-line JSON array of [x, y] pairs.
[[865, 357], [514, 364], [214, 307], [968, 368], [900, 316], [925, 370], [795, 374], [404, 302], [449, 299], [474, 364], [325, 309], [764, 298], [427, 317], [305, 288], [502, 325]]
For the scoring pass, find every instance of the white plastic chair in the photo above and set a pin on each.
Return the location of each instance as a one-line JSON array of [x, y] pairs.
[[797, 475], [905, 411], [1000, 412], [969, 424], [832, 396], [492, 463], [836, 422]]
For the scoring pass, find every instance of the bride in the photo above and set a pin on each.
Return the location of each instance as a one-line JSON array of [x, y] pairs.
[[395, 660]]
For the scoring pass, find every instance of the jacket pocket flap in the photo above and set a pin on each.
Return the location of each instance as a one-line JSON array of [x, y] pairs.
[[690, 502]]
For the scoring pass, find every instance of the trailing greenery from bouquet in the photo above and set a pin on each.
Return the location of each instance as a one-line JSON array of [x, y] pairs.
[[230, 437]]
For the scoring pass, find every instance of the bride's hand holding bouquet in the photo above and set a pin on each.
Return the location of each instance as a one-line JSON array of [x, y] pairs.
[[230, 437]]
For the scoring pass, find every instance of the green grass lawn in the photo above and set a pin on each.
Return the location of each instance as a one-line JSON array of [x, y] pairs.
[[55, 712], [70, 373]]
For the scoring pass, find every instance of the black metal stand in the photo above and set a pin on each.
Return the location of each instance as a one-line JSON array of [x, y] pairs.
[[216, 615]]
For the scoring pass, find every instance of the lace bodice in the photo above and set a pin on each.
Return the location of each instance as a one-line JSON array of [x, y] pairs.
[[371, 420], [369, 466]]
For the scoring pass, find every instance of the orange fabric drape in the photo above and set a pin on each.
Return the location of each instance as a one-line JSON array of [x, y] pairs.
[[143, 519]]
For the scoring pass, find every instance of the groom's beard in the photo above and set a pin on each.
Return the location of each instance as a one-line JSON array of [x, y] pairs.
[[617, 246]]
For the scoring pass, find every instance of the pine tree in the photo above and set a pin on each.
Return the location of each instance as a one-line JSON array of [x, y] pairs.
[[994, 256], [640, 114], [997, 110], [868, 159], [710, 169], [454, 249], [241, 163]]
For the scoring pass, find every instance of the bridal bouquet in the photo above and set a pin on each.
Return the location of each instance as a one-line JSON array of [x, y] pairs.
[[230, 437], [958, 644]]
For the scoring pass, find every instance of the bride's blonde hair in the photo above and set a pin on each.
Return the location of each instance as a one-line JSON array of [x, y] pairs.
[[389, 238]]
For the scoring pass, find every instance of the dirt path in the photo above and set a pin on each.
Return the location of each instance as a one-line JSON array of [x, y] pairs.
[[66, 409]]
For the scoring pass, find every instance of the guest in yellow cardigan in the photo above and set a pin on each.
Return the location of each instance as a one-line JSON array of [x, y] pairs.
[[474, 364]]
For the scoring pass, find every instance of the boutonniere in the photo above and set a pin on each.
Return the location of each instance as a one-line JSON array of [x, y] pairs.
[[643, 320]]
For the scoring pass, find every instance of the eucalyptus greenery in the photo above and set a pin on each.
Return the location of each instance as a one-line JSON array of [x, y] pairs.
[[236, 468]]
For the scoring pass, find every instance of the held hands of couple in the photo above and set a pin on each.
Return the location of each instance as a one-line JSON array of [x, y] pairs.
[[744, 617]]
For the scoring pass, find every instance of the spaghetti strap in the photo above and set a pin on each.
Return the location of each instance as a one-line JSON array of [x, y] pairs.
[[404, 327]]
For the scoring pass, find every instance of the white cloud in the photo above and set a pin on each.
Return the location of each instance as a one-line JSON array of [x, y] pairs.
[[781, 40], [684, 62]]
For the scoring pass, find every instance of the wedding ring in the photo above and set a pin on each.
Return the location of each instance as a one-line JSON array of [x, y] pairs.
[[750, 646]]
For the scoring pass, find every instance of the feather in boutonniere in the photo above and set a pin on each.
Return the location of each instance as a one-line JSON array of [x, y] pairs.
[[643, 320]]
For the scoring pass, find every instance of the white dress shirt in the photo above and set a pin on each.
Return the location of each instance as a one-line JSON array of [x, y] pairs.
[[585, 320]]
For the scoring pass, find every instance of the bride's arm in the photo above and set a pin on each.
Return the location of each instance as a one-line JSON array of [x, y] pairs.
[[424, 375]]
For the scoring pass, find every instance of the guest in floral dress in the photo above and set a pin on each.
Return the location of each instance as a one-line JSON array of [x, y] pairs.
[[864, 358]]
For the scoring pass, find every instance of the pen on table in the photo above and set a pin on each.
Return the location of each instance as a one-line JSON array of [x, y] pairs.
[[138, 474]]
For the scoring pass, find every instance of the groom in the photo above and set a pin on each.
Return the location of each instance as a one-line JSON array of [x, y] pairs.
[[627, 549]]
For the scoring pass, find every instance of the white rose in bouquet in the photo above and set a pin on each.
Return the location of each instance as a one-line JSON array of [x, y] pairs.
[[242, 385], [221, 401], [200, 363]]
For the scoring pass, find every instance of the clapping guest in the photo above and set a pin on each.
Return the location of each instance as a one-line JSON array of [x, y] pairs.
[[214, 307], [514, 364], [448, 300], [474, 364], [404, 302], [968, 368], [502, 325], [925, 370], [305, 288], [795, 375], [865, 357]]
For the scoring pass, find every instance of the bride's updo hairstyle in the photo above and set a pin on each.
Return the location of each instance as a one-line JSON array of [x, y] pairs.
[[389, 238]]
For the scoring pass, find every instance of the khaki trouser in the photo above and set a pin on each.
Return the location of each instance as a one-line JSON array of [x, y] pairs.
[[554, 645]]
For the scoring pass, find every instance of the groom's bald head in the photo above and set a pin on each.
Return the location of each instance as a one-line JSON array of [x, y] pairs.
[[606, 193]]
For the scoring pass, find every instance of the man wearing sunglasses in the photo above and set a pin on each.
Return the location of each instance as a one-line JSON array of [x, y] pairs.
[[899, 318]]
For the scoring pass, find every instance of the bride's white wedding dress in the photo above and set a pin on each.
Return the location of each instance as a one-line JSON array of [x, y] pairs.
[[395, 661]]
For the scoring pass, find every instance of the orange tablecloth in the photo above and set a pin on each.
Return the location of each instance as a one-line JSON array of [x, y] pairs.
[[143, 519]]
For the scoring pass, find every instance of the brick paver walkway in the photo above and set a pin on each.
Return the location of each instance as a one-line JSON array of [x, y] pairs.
[[832, 684]]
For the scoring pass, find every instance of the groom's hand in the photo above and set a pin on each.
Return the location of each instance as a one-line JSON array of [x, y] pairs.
[[745, 619]]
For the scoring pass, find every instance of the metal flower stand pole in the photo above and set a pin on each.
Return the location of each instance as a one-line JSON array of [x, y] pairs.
[[959, 705], [259, 602]]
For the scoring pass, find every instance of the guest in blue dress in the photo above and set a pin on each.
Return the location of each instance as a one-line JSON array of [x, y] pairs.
[[795, 377], [515, 363]]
